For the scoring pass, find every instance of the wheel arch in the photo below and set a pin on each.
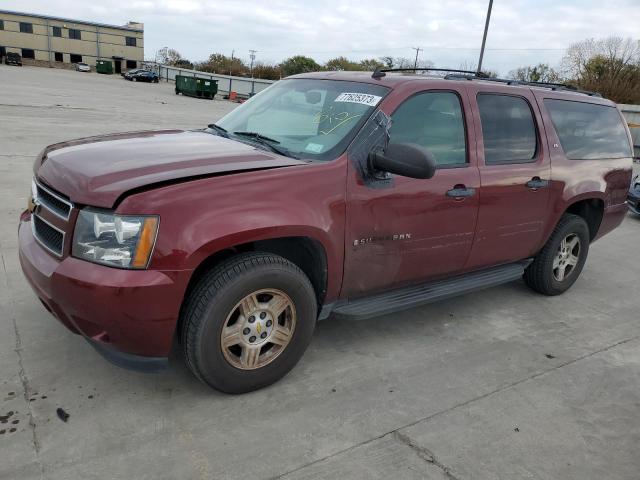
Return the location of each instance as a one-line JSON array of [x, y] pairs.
[[306, 252]]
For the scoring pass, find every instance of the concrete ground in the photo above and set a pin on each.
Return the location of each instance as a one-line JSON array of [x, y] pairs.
[[501, 384]]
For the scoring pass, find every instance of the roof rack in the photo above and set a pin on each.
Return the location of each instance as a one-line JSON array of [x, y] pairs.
[[381, 72], [469, 75]]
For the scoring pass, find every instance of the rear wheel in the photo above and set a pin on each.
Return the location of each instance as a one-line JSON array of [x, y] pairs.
[[558, 265], [247, 322]]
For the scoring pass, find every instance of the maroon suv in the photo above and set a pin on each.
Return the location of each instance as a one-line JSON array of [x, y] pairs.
[[344, 193]]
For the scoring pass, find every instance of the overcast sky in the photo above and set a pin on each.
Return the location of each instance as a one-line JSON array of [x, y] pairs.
[[522, 32]]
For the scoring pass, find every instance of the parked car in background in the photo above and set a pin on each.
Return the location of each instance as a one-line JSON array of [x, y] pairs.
[[132, 72], [13, 58], [142, 76], [633, 197], [328, 193], [82, 67]]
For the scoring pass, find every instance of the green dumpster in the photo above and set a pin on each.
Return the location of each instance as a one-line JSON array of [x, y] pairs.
[[196, 87], [104, 66]]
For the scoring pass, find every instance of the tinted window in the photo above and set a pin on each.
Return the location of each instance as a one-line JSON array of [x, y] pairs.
[[588, 131], [74, 58], [1, 24], [28, 53], [131, 41], [57, 31], [26, 27], [508, 129], [131, 64], [433, 120], [75, 34], [58, 56]]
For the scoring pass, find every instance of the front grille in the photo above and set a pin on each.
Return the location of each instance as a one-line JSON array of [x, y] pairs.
[[47, 235], [54, 202]]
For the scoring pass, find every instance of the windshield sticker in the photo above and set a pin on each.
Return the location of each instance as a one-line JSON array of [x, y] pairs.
[[314, 147], [363, 98], [331, 121]]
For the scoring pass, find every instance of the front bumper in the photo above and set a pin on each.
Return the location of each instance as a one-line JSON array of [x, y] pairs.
[[129, 316]]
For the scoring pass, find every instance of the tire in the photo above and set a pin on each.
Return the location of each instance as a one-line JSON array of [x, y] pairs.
[[220, 296], [543, 275]]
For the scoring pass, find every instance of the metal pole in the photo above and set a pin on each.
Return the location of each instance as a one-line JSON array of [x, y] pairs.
[[49, 42], [415, 64], [484, 37]]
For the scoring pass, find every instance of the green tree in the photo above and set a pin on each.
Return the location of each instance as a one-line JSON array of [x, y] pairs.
[[175, 59], [342, 63], [537, 73], [370, 64], [299, 64], [219, 63], [269, 72]]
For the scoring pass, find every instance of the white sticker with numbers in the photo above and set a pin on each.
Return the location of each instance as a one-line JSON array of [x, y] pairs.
[[363, 98]]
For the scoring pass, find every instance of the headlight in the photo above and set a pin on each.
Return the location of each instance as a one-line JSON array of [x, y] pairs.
[[123, 241]]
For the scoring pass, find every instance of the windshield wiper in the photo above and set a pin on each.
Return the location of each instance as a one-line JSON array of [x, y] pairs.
[[221, 131], [268, 142]]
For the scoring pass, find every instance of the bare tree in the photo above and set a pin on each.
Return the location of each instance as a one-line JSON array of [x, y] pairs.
[[610, 66], [537, 73]]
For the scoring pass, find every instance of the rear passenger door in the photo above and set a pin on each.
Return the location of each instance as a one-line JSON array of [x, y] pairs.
[[515, 175]]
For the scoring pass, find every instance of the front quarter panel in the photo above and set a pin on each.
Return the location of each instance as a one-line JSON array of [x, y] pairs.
[[201, 217]]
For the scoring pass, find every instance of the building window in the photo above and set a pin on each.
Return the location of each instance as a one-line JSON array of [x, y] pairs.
[[75, 34], [1, 24], [131, 41], [75, 58], [132, 64], [26, 27], [57, 31], [58, 56], [28, 53]]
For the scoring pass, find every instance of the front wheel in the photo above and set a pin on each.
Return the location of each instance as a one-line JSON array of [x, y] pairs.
[[558, 265], [247, 322]]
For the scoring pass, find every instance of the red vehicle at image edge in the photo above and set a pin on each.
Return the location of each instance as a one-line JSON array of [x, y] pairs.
[[344, 193]]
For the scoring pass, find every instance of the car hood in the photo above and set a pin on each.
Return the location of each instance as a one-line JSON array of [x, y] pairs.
[[97, 171]]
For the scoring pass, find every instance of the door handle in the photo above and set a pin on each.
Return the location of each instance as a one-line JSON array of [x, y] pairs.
[[460, 191], [536, 183]]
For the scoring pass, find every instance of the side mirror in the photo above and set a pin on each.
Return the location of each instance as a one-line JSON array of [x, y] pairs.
[[406, 159]]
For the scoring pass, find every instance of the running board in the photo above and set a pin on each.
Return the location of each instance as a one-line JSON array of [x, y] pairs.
[[414, 296]]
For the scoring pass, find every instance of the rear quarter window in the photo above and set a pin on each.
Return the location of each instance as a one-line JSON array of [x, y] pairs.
[[588, 131]]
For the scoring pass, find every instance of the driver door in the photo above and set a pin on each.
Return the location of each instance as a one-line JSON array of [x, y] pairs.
[[413, 230]]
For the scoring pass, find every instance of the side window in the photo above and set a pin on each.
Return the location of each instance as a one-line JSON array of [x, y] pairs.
[[588, 131], [57, 31], [508, 129], [433, 120], [26, 27]]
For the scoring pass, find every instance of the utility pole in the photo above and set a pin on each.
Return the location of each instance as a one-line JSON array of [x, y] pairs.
[[252, 55], [415, 64], [484, 37]]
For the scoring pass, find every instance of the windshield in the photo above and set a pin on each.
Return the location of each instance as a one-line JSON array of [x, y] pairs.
[[310, 119]]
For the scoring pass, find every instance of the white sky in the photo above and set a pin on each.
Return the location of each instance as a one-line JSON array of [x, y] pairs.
[[522, 32]]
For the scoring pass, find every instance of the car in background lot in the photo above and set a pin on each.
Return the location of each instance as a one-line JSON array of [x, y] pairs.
[[82, 67], [328, 193], [142, 76], [132, 72], [13, 59], [633, 197]]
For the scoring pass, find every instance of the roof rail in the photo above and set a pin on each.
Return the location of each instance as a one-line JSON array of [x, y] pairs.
[[510, 81], [381, 72], [455, 74]]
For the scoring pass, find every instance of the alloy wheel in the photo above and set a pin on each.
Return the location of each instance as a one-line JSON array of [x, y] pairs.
[[567, 257]]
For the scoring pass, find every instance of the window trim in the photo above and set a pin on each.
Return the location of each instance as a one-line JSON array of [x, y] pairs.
[[467, 162], [536, 155]]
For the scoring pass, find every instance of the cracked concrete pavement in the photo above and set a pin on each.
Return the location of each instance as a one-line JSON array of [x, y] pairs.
[[500, 384]]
